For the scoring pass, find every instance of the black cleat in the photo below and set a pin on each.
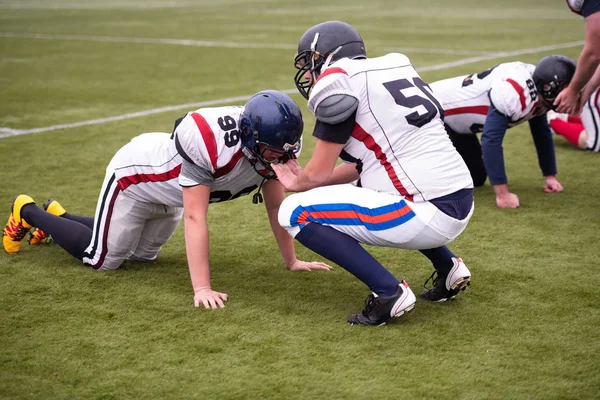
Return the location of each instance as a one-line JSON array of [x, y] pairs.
[[379, 310], [447, 287]]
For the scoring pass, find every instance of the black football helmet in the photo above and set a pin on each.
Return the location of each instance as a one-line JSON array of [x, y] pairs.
[[271, 119], [321, 45], [551, 75]]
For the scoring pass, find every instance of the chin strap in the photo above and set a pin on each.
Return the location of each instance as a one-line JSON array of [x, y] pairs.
[[258, 198]]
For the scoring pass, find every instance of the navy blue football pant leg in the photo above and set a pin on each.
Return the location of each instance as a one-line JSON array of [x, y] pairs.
[[72, 236], [469, 148], [441, 258], [350, 255], [87, 221]]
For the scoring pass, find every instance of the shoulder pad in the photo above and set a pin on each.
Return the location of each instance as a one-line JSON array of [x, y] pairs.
[[332, 99], [507, 98], [191, 144], [336, 108]]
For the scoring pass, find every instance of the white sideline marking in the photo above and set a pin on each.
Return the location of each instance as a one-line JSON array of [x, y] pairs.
[[189, 106], [181, 42], [502, 54], [206, 43], [16, 132]]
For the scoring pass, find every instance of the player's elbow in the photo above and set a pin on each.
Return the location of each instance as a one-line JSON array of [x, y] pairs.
[[194, 218]]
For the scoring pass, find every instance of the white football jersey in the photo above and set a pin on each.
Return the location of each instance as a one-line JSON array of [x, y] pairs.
[[398, 139], [147, 168], [509, 86], [211, 139]]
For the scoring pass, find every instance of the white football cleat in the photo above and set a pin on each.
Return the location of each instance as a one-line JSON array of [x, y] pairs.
[[446, 288]]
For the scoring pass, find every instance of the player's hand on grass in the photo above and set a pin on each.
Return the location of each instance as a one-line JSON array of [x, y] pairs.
[[209, 298], [552, 185], [507, 200], [299, 265]]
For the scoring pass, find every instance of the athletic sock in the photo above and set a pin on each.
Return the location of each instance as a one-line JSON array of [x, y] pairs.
[[568, 130], [441, 258], [72, 236], [87, 221], [574, 119], [350, 255]]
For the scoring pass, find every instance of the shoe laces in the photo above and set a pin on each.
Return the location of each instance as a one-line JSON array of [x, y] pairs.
[[369, 304], [37, 235], [15, 231], [433, 278]]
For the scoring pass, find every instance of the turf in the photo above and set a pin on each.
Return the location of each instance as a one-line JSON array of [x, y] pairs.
[[526, 328]]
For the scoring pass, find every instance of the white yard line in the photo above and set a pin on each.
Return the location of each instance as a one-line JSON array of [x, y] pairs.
[[189, 106], [7, 132], [502, 54], [181, 42], [209, 43]]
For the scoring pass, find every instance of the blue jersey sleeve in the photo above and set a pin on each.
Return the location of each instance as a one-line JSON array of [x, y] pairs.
[[544, 144], [494, 130]]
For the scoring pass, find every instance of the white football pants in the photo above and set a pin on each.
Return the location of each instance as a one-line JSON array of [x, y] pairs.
[[371, 217], [125, 228]]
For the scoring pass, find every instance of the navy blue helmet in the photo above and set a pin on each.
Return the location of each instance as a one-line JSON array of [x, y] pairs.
[[322, 44], [551, 75], [271, 126]]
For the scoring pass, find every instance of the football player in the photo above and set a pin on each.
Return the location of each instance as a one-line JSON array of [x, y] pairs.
[[581, 131], [572, 100], [213, 155], [493, 101], [414, 190]]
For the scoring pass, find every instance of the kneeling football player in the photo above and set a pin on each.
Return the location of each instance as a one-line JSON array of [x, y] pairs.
[[213, 155]]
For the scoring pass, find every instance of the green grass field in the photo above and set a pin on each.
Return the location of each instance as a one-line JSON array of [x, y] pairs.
[[527, 328]]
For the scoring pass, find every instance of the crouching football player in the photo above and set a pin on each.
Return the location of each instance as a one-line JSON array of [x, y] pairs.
[[493, 101], [213, 155]]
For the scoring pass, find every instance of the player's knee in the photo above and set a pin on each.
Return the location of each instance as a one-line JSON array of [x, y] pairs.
[[285, 212], [479, 180], [143, 257], [289, 211]]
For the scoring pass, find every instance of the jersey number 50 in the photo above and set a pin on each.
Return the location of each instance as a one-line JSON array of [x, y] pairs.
[[430, 103]]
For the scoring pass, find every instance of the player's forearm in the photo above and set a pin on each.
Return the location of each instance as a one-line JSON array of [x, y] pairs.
[[274, 196], [591, 86], [587, 64], [491, 146], [283, 239], [310, 179], [544, 145], [344, 173], [196, 244]]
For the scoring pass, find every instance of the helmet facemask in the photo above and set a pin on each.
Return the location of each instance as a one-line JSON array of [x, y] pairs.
[[271, 130], [308, 61], [262, 165], [550, 90], [261, 155]]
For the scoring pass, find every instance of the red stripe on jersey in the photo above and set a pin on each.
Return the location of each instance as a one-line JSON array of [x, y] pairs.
[[519, 90], [359, 134], [467, 110], [224, 170], [330, 71], [209, 138], [127, 181]]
